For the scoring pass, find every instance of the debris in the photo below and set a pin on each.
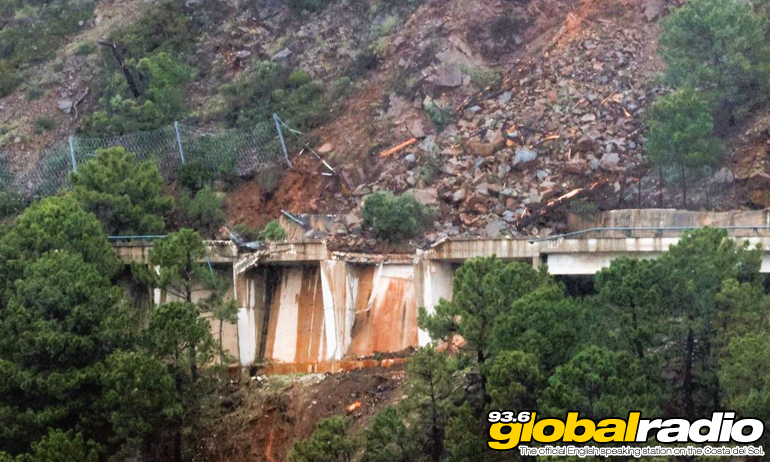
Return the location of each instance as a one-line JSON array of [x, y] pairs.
[[283, 54], [352, 407], [495, 229], [393, 150], [325, 148], [64, 105], [524, 156]]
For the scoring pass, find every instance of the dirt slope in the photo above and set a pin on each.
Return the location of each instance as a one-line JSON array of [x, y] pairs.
[[261, 420]]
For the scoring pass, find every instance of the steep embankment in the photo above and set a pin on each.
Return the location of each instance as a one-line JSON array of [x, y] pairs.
[[260, 421], [511, 105]]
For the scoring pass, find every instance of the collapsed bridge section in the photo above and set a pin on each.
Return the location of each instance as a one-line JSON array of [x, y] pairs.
[[306, 308]]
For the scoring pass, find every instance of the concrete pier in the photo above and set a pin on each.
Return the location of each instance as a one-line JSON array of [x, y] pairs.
[[306, 308]]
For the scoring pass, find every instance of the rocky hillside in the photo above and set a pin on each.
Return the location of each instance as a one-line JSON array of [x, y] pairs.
[[512, 113]]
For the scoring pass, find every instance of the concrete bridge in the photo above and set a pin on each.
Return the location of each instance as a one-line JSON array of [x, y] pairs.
[[306, 308]]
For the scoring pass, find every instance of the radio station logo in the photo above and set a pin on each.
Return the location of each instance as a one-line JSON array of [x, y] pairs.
[[509, 429]]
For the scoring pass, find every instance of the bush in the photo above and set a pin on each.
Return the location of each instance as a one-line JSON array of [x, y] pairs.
[[272, 232], [161, 102], [269, 88], [485, 78], [59, 445], [438, 115], [11, 204], [125, 195], [165, 26], [718, 47], [395, 218], [8, 80], [204, 211], [329, 443], [313, 6], [246, 232], [85, 48], [44, 124], [194, 176]]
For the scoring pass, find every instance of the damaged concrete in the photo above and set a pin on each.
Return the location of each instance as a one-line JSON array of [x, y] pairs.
[[306, 308]]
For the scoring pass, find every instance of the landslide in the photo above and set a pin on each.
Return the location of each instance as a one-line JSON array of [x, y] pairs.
[[521, 111]]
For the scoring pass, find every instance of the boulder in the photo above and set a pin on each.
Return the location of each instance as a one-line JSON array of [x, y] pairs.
[[480, 148], [586, 144], [524, 156], [428, 196], [495, 228]]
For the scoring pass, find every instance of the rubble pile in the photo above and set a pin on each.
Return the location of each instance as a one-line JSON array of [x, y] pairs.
[[569, 118]]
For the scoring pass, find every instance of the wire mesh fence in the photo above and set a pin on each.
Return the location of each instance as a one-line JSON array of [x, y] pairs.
[[242, 153]]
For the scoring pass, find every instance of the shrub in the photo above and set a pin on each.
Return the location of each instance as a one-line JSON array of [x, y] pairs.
[[329, 443], [272, 232], [165, 26], [8, 80], [31, 32], [44, 124], [11, 204], [718, 47], [269, 88], [84, 49], [485, 78], [125, 195], [194, 176], [246, 232], [395, 218], [438, 115], [205, 210], [313, 6], [161, 102]]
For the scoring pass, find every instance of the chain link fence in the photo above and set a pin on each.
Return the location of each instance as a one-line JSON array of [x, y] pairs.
[[242, 153]]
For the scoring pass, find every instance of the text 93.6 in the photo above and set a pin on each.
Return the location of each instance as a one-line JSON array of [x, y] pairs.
[[509, 417]]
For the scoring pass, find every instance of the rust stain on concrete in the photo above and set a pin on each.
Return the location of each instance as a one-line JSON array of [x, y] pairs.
[[386, 312]]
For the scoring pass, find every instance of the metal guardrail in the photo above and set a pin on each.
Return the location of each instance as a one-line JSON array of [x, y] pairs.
[[136, 238], [659, 229]]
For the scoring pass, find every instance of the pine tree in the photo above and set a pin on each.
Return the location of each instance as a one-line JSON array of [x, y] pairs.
[[718, 47], [125, 195], [681, 134]]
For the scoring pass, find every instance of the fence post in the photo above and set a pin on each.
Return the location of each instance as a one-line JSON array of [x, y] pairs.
[[179, 141], [283, 142], [72, 155]]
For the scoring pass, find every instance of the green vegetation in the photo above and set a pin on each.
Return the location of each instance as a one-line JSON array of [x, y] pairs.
[[125, 195], [719, 48], [205, 210], [329, 443], [313, 6], [484, 78], [269, 88], [395, 217], [681, 134], [80, 382], [273, 231], [438, 115], [31, 33], [675, 337], [246, 232], [194, 176], [44, 124], [158, 103]]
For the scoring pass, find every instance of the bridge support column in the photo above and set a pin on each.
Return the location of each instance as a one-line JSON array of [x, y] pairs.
[[433, 281]]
